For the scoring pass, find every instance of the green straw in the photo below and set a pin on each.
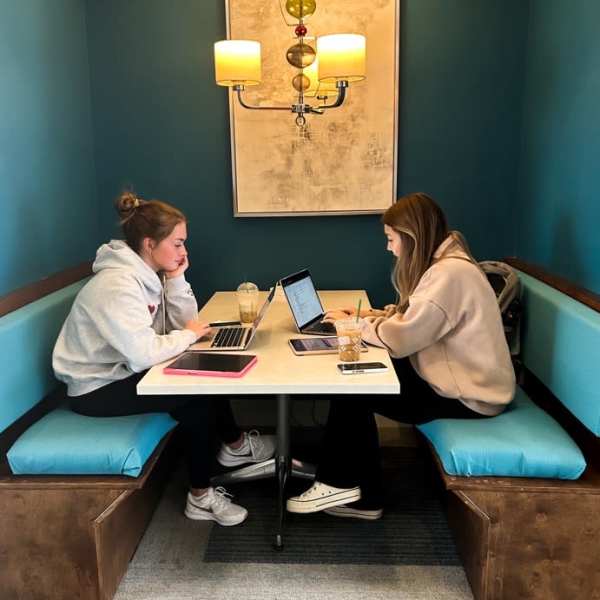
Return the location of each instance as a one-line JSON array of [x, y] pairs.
[[358, 309]]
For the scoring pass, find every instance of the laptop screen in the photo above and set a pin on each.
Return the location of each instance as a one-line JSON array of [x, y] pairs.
[[264, 308], [303, 299], [260, 316]]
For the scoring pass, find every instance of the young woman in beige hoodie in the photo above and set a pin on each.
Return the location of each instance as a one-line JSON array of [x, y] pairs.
[[446, 337]]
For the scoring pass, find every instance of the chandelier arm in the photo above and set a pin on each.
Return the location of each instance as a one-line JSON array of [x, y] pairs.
[[240, 88], [341, 89]]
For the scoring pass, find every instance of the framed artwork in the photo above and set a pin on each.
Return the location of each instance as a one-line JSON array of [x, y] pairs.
[[342, 162]]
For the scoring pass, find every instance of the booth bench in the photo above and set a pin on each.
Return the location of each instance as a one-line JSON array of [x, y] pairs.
[[523, 488], [76, 493]]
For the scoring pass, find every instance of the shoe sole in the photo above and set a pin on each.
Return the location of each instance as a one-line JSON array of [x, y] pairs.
[[242, 460], [354, 513], [210, 517], [311, 506]]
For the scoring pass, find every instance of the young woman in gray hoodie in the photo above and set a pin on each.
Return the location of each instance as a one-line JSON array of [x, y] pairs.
[[447, 341], [136, 311]]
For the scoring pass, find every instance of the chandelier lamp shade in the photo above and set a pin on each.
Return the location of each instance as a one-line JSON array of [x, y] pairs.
[[237, 62], [323, 72]]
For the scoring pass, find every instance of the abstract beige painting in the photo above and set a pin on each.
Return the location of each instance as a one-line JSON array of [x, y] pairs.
[[341, 162]]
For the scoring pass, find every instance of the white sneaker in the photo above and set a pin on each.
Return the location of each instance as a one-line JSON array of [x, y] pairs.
[[255, 448], [215, 505], [321, 496]]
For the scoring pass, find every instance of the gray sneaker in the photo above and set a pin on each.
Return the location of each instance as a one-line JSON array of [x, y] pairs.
[[254, 449], [352, 512], [215, 505]]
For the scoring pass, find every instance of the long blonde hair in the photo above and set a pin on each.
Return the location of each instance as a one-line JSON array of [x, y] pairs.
[[422, 227]]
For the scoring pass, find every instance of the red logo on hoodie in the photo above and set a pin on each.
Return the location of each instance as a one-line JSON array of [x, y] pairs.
[[151, 308]]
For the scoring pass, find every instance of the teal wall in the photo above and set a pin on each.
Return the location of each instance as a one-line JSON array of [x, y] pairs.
[[162, 126], [482, 84], [48, 207], [558, 211]]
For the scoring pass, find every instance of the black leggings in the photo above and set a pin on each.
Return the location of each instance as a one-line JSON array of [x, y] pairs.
[[201, 419], [350, 454]]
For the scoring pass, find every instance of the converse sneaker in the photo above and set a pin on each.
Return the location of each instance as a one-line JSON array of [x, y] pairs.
[[321, 496], [255, 448], [354, 511], [215, 505]]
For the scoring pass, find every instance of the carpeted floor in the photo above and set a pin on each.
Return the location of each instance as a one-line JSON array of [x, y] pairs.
[[324, 557], [413, 530]]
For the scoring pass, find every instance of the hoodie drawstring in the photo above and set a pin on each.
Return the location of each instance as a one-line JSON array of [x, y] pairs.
[[164, 305]]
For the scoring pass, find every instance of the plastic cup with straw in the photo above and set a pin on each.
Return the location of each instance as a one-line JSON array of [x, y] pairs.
[[349, 337]]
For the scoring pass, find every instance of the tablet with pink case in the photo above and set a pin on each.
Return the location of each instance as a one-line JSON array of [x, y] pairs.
[[211, 365]]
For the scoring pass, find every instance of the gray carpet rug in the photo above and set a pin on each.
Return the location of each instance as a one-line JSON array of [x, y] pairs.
[[413, 530], [170, 565]]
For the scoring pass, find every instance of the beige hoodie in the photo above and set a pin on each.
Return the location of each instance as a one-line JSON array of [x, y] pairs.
[[452, 332]]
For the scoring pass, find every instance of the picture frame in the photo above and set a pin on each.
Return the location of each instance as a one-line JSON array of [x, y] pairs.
[[343, 162]]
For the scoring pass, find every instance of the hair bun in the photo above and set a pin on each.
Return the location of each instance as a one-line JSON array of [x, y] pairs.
[[126, 204]]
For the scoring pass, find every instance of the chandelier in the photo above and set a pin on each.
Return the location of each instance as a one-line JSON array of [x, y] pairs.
[[337, 61]]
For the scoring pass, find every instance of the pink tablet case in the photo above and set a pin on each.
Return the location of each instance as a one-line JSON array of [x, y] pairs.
[[168, 371]]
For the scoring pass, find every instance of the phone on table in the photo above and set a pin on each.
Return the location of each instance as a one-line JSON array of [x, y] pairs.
[[321, 345], [225, 324], [364, 367]]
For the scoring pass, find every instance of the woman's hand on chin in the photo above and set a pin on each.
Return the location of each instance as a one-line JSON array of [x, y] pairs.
[[180, 270]]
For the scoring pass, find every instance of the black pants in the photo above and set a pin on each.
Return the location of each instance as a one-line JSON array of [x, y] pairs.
[[350, 454], [201, 419]]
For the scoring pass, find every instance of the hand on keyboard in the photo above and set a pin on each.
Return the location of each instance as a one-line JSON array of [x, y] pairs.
[[335, 315], [198, 327]]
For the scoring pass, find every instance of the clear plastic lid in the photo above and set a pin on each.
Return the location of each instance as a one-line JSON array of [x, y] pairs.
[[247, 287]]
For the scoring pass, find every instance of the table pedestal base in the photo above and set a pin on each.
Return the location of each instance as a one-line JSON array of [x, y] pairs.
[[281, 465]]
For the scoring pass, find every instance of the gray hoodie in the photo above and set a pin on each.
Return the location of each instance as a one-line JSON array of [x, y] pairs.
[[116, 327]]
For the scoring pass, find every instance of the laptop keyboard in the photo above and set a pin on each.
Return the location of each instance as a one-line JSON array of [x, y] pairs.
[[229, 337]]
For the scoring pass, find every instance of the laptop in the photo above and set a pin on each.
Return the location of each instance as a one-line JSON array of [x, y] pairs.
[[305, 304], [233, 338]]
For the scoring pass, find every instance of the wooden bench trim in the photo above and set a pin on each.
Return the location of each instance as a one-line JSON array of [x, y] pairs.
[[581, 294], [34, 291]]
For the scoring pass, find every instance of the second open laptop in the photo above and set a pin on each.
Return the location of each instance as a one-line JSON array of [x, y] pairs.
[[305, 304], [233, 338]]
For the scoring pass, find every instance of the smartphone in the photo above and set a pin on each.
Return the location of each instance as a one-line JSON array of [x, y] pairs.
[[225, 324], [320, 345], [364, 367]]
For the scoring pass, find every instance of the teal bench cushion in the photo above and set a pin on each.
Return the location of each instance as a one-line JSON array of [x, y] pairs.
[[523, 441], [65, 443], [27, 337], [561, 347]]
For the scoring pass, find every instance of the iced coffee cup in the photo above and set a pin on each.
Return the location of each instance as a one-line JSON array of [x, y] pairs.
[[349, 339], [247, 295]]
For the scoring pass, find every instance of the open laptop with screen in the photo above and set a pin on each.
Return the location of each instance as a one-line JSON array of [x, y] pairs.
[[305, 304], [233, 338]]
